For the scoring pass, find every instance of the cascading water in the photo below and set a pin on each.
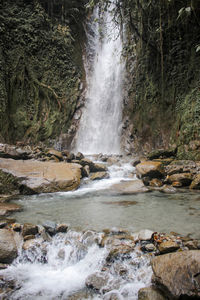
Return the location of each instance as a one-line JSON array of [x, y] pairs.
[[99, 129], [59, 270]]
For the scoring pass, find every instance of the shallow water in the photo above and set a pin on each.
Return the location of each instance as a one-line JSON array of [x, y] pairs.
[[96, 210]]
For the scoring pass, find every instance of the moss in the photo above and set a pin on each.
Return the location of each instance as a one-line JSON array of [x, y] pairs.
[[8, 183], [41, 70], [163, 70]]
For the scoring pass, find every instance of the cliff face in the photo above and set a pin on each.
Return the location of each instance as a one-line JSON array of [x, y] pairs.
[[40, 67], [163, 64]]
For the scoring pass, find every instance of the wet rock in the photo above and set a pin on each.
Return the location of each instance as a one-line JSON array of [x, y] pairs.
[[42, 177], [184, 179], [156, 182], [168, 189], [53, 152], [129, 187], [3, 224], [29, 237], [17, 227], [85, 171], [150, 169], [162, 153], [113, 160], [69, 156], [29, 229], [191, 245], [145, 235], [150, 293], [3, 266], [112, 296], [9, 151], [8, 248], [119, 252], [196, 183], [50, 227], [80, 295], [86, 162], [61, 254], [96, 281], [168, 246], [62, 228], [44, 235], [7, 208], [149, 247], [135, 161], [99, 168], [79, 156], [178, 273], [99, 175], [176, 184], [27, 245]]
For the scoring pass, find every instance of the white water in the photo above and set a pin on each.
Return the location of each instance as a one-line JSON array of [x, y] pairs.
[[70, 258], [100, 125]]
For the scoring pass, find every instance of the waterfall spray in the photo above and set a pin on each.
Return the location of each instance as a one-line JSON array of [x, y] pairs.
[[100, 125]]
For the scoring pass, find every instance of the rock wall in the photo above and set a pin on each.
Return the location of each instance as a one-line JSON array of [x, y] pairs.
[[162, 99], [40, 68]]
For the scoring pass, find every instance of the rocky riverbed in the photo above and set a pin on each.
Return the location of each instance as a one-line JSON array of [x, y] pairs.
[[55, 261], [39, 261]]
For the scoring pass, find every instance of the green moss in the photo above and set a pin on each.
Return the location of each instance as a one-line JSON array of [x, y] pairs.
[[8, 183], [39, 80]]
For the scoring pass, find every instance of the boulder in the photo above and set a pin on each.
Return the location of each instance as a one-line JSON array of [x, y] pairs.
[[135, 161], [99, 168], [79, 156], [150, 169], [53, 152], [168, 246], [85, 171], [150, 293], [96, 281], [184, 179], [168, 189], [9, 151], [42, 177], [155, 182], [178, 273], [196, 183], [50, 227], [29, 229], [7, 208], [8, 247], [145, 235], [62, 228], [99, 175], [86, 162], [162, 153], [129, 187]]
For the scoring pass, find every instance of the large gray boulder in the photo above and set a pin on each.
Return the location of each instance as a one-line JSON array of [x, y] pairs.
[[150, 169], [42, 177], [129, 187], [178, 274], [8, 247]]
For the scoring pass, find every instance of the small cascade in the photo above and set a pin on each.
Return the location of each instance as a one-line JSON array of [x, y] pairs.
[[100, 125], [68, 266]]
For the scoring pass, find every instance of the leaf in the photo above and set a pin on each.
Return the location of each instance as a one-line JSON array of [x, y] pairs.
[[180, 12], [188, 9], [197, 48]]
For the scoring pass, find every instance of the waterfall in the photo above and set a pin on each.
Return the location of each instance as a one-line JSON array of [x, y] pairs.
[[100, 125]]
